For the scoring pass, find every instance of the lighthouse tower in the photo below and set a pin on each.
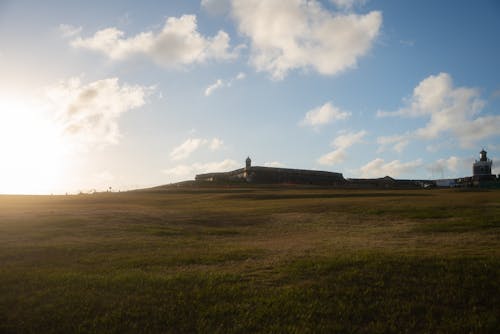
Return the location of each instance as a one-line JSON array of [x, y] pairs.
[[481, 169]]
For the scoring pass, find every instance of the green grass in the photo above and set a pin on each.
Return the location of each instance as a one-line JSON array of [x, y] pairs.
[[254, 259]]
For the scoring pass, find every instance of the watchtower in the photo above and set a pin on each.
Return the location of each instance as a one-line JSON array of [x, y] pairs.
[[482, 167]]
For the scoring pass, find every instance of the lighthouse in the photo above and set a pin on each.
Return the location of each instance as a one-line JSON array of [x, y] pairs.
[[481, 169]]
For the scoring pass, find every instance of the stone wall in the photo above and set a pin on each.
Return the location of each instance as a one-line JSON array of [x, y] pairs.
[[275, 175]]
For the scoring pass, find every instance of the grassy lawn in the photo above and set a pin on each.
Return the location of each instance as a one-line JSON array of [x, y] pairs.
[[255, 259]]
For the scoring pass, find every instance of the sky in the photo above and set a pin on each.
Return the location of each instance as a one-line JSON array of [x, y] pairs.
[[99, 95]]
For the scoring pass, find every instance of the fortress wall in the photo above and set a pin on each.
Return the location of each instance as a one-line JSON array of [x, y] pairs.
[[271, 175], [296, 177], [275, 175], [223, 176]]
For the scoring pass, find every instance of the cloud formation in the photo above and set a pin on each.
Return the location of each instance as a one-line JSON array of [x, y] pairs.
[[449, 167], [91, 111], [211, 88], [452, 111], [189, 146], [178, 43], [68, 30], [341, 144], [379, 168], [275, 164], [219, 83], [215, 144], [182, 172], [397, 142], [298, 34], [325, 114], [347, 4]]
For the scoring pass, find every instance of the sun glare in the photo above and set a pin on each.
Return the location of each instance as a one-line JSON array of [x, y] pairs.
[[32, 148]]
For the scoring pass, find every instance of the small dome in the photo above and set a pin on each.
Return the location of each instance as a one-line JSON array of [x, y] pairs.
[[482, 155]]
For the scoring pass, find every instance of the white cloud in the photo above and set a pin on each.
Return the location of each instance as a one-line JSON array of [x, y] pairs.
[[398, 142], [182, 172], [379, 168], [325, 114], [219, 83], [210, 89], [333, 157], [68, 31], [495, 169], [91, 111], [451, 111], [347, 4], [348, 139], [449, 167], [178, 43], [179, 171], [469, 132], [297, 34], [216, 144], [185, 149], [221, 166], [341, 143], [405, 42], [189, 146], [452, 163], [273, 164]]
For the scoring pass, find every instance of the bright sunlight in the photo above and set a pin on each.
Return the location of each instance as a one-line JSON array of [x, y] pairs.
[[32, 148]]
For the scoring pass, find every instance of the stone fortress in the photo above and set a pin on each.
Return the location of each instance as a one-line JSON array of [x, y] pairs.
[[271, 175], [258, 174]]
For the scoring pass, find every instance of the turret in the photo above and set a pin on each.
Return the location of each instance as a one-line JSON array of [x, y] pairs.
[[248, 163], [482, 155], [482, 168]]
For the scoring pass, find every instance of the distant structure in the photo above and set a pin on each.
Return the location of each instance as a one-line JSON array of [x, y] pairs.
[[258, 174], [385, 182], [481, 174], [481, 177], [481, 169], [272, 175]]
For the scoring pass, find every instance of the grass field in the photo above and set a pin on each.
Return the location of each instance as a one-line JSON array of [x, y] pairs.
[[236, 260]]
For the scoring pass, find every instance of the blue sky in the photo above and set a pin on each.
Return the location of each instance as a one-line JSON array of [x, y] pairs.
[[128, 94]]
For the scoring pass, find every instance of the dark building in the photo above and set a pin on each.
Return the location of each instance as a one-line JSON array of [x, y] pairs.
[[386, 182], [258, 174]]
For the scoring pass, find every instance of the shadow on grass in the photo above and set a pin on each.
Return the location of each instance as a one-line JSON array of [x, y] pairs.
[[367, 294], [458, 226], [278, 196]]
